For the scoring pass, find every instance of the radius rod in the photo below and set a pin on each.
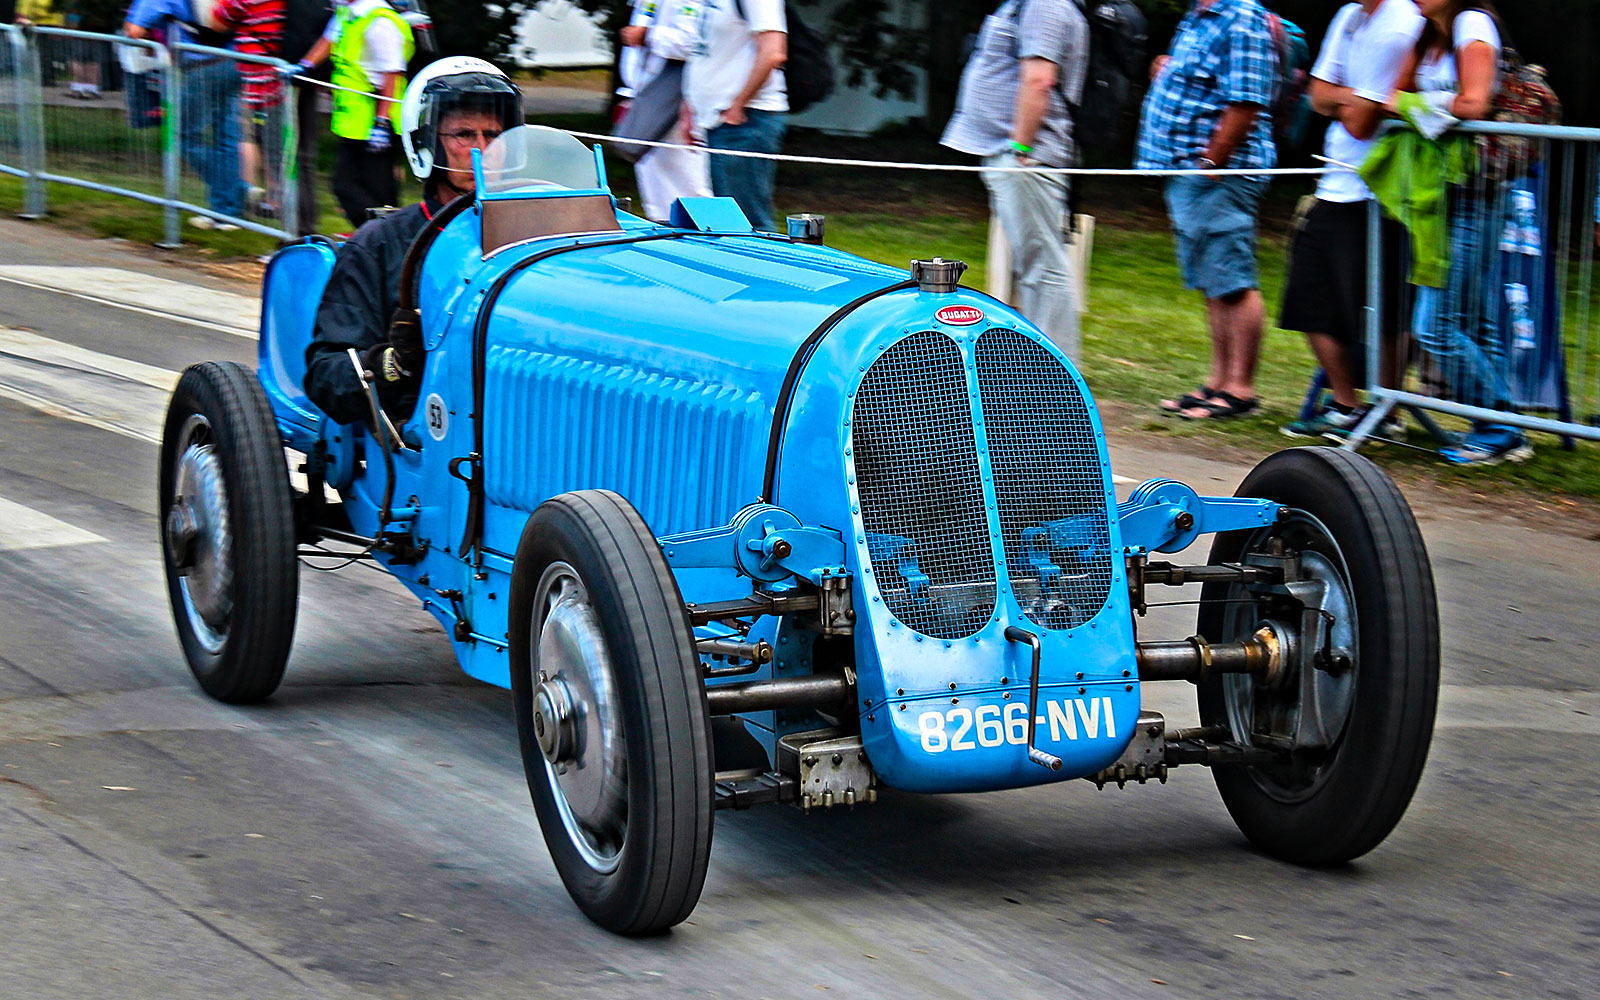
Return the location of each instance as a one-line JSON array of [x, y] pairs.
[[1194, 659]]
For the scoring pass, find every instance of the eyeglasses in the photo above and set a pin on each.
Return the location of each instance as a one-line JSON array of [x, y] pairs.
[[466, 135]]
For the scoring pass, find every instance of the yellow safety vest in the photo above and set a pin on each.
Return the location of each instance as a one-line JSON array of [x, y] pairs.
[[354, 114]]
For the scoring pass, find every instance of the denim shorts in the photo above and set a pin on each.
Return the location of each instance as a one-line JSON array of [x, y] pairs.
[[1214, 222]]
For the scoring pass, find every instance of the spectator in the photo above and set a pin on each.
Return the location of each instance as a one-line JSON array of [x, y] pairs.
[[304, 23], [662, 35], [370, 45], [735, 88], [258, 31], [210, 129], [1014, 110], [1207, 109], [1454, 67], [1326, 294]]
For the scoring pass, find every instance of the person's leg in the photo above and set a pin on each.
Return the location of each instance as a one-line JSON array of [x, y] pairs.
[[348, 184], [1180, 194], [218, 84], [310, 130], [1029, 207], [1223, 213], [1315, 296], [1444, 316], [653, 201], [748, 180], [1242, 317]]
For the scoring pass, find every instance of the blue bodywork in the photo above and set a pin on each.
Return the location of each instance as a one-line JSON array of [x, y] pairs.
[[651, 360]]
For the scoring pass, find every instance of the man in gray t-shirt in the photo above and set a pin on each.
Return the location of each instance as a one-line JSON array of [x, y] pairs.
[[1014, 110]]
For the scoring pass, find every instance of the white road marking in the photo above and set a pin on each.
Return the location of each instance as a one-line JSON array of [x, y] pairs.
[[25, 528], [65, 380], [225, 312]]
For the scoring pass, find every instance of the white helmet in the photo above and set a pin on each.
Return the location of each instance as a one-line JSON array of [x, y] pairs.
[[457, 83]]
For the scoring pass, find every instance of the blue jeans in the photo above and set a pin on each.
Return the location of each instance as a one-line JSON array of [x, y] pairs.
[[745, 179], [1456, 324], [210, 135]]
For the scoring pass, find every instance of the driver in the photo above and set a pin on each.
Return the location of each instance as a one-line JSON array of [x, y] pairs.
[[453, 106]]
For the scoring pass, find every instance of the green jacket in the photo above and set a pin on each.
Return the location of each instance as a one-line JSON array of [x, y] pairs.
[[1409, 175], [354, 114]]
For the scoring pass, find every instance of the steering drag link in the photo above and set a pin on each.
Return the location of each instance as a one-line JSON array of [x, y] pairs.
[[1194, 659]]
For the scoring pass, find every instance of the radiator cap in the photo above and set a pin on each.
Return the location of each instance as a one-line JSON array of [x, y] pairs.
[[938, 274]]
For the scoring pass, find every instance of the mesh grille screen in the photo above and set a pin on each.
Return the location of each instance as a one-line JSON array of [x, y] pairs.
[[921, 493], [1049, 484]]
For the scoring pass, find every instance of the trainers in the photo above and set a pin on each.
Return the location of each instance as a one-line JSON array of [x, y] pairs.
[[1489, 446], [1329, 421], [207, 222]]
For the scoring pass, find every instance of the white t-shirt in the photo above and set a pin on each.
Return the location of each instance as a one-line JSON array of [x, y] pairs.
[[385, 48], [721, 67], [1363, 52], [1437, 72]]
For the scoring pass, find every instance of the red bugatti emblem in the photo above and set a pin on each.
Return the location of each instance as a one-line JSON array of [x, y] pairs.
[[959, 315]]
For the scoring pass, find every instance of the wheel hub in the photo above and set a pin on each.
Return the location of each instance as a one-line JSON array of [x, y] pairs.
[[199, 536], [554, 721], [577, 720]]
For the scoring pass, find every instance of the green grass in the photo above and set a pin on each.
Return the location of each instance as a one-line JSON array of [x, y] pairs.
[[1144, 337]]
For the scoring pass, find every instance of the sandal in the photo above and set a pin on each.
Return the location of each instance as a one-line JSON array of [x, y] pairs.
[[1222, 406], [1189, 400]]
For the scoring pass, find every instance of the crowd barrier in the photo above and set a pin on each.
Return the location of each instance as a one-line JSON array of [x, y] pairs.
[[194, 130], [1509, 337]]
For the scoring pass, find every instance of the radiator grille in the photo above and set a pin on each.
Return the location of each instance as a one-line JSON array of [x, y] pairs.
[[921, 493], [1049, 484]]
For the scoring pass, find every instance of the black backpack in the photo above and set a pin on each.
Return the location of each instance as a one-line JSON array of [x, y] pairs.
[[1105, 117], [809, 72]]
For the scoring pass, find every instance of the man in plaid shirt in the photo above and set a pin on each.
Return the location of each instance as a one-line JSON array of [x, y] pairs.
[[1207, 109]]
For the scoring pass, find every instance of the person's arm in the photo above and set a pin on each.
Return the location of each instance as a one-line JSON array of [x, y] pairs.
[[1328, 99], [318, 53], [772, 51], [142, 16], [1475, 68], [1033, 100], [350, 315], [1406, 82], [1232, 131]]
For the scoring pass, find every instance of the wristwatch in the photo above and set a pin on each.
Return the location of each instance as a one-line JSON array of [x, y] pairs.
[[1206, 163]]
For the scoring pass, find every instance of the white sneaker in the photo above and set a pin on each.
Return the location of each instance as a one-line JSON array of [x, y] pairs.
[[207, 222]]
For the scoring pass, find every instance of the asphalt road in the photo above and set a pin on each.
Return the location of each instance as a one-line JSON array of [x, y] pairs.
[[368, 832]]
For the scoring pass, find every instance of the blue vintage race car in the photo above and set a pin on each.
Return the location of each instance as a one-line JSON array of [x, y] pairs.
[[741, 519]]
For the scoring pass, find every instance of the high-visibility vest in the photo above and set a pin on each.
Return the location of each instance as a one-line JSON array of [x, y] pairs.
[[355, 113]]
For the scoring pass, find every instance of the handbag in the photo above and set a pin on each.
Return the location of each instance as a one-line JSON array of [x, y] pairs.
[[652, 113], [1524, 96]]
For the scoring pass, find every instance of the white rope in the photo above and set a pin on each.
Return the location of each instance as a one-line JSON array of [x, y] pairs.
[[955, 168]]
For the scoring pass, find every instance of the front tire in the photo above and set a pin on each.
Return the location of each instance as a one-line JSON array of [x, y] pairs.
[[228, 536], [611, 713], [1359, 539]]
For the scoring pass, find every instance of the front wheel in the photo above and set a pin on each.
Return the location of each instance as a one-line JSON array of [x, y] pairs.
[[1358, 716], [228, 535], [611, 713]]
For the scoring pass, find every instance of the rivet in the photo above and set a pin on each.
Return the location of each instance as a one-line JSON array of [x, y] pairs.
[[902, 708], [1080, 675], [900, 691], [955, 701], [1127, 673], [1083, 690], [952, 685], [1128, 687]]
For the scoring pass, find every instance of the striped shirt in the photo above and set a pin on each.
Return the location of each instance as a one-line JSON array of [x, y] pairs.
[[258, 31], [1222, 54]]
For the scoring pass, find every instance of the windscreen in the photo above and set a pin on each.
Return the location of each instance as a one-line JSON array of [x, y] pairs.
[[535, 157]]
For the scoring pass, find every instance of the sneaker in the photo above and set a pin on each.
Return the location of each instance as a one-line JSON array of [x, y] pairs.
[[1489, 446], [1391, 426], [1329, 421], [207, 222]]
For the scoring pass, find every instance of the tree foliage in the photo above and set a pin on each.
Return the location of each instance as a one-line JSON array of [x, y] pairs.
[[478, 27]]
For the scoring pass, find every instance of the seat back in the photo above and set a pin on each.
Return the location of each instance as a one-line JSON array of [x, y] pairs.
[[289, 299]]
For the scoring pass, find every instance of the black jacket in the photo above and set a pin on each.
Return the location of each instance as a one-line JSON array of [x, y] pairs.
[[357, 304]]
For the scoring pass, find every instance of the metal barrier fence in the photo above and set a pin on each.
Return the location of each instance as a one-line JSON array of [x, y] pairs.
[[1506, 340], [192, 129]]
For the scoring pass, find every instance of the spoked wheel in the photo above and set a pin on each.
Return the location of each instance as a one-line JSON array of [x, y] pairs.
[[611, 713], [1355, 707], [227, 527]]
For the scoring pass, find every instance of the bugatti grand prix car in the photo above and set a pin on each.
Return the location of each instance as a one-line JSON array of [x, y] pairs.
[[742, 519]]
